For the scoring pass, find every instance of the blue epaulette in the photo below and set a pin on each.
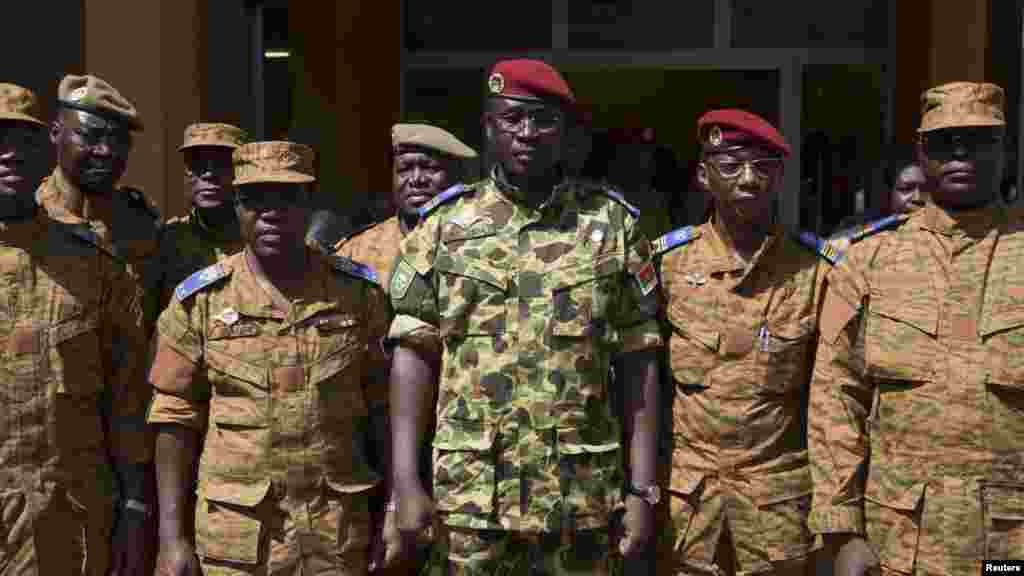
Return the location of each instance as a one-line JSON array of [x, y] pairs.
[[876, 226], [825, 248], [618, 197], [675, 238], [452, 192], [199, 280], [85, 233], [353, 268]]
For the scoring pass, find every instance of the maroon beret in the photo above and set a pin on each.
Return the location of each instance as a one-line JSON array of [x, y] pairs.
[[529, 79], [722, 130]]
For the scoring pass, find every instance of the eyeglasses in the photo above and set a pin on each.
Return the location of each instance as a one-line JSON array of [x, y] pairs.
[[544, 120], [944, 143], [763, 167]]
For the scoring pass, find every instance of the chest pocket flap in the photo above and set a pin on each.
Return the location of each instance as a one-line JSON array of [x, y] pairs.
[[471, 297], [902, 326]]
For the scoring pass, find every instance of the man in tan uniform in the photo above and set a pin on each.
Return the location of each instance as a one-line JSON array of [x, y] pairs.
[[426, 161], [273, 352], [741, 317], [209, 232], [65, 454], [916, 425], [92, 136]]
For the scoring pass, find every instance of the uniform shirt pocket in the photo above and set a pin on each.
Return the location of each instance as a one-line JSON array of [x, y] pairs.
[[464, 461], [591, 478], [1002, 505], [893, 516], [229, 523], [784, 353], [901, 339], [783, 503], [693, 347], [471, 298], [581, 303]]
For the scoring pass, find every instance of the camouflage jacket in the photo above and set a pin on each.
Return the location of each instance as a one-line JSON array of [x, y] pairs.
[[65, 305], [527, 307], [917, 404], [186, 245], [283, 397], [375, 246], [740, 351]]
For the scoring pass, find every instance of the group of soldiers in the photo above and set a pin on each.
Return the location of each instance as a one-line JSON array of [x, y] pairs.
[[508, 376]]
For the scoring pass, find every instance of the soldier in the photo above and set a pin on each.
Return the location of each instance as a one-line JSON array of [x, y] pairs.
[[92, 136], [740, 312], [66, 455], [271, 353], [209, 232], [915, 424], [518, 291], [426, 161]]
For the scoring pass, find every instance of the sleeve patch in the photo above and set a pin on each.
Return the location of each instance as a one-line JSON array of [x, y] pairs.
[[199, 280], [647, 278]]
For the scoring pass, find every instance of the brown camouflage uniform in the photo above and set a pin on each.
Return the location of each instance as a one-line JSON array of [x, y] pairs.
[[741, 347], [283, 479], [917, 404], [65, 305], [527, 308], [375, 246]]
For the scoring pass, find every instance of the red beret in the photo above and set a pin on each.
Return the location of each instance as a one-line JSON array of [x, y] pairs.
[[529, 79], [721, 130]]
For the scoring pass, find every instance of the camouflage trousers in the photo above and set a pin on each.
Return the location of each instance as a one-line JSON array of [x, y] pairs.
[[468, 552], [324, 533], [714, 533], [46, 532]]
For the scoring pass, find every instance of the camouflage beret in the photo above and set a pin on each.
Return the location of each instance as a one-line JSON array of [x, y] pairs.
[[95, 95], [430, 137], [961, 104], [277, 161], [213, 134], [17, 103]]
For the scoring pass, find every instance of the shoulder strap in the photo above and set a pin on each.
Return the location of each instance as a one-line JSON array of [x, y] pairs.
[[199, 280], [452, 192], [613, 193], [872, 228], [675, 238], [353, 268], [824, 248]]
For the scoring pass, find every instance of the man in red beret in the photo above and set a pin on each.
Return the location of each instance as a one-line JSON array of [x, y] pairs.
[[740, 312], [519, 291]]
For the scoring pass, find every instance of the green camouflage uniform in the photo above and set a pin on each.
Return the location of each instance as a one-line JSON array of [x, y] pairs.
[[916, 424], [527, 308]]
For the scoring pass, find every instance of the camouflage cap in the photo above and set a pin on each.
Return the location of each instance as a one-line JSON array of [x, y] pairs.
[[95, 95], [961, 104], [430, 137], [17, 103], [277, 161], [213, 134]]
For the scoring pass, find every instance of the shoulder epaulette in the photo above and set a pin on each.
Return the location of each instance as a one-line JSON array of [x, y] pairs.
[[452, 192], [825, 248], [871, 228], [199, 280], [675, 238], [353, 268], [614, 194]]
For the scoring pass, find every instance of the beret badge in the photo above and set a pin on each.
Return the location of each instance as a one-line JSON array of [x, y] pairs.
[[715, 136], [496, 83]]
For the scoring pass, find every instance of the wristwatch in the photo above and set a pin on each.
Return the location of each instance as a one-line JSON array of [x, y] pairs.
[[650, 494]]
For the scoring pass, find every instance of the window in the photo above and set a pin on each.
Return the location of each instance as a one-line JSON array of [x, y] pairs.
[[477, 26], [640, 24], [810, 24]]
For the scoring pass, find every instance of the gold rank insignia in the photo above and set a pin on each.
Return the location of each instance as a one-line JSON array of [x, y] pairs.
[[496, 83], [715, 136]]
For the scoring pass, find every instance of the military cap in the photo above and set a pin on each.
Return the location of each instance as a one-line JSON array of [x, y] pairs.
[[17, 103], [430, 137], [722, 130], [95, 95], [529, 80], [961, 104], [213, 134], [276, 161]]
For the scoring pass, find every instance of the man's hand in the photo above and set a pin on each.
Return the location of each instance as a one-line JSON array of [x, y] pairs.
[[637, 527], [853, 556], [177, 558], [414, 515], [129, 543]]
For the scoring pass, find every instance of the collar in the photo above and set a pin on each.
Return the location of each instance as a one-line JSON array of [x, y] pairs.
[[961, 222], [517, 195], [725, 260]]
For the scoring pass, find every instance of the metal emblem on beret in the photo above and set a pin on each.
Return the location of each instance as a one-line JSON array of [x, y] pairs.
[[77, 94], [496, 83], [715, 136]]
